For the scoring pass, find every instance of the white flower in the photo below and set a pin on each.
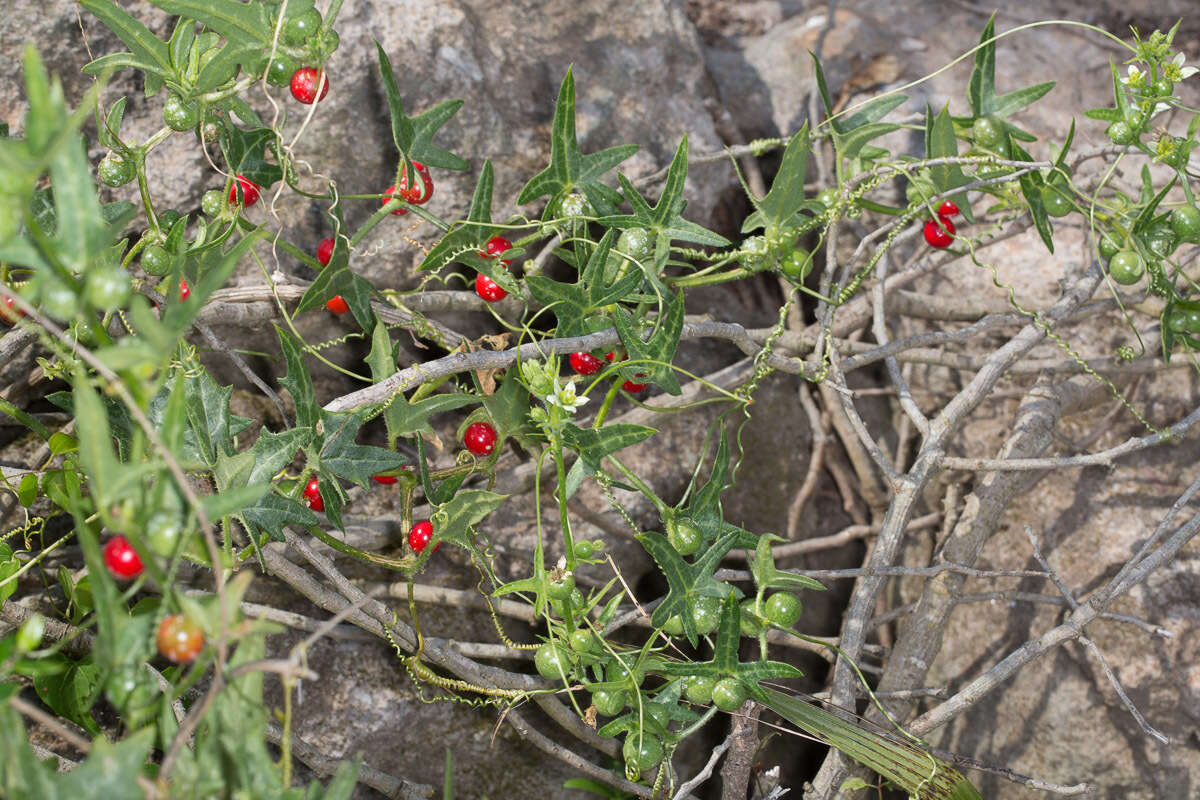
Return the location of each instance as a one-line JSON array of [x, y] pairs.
[[1177, 68], [1136, 78], [564, 397]]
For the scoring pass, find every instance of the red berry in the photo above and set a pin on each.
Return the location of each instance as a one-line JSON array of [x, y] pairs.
[[936, 236], [312, 493], [609, 356], [185, 291], [386, 480], [415, 194], [338, 305], [179, 639], [420, 535], [305, 82], [387, 196], [480, 438], [325, 251], [634, 388], [948, 209], [121, 559], [312, 489], [248, 190], [495, 246], [9, 312], [585, 363], [488, 289]]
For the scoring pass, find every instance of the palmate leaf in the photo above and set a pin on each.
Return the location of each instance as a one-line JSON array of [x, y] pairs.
[[665, 218], [914, 770], [576, 304], [272, 512], [298, 382], [246, 153], [341, 281], [660, 347], [852, 133], [453, 520], [725, 664], [355, 462], [981, 87], [593, 444], [414, 135], [336, 279], [569, 168], [508, 408], [465, 241], [685, 581]]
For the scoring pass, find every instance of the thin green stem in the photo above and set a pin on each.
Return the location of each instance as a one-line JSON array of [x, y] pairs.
[[641, 486], [560, 466], [689, 281], [607, 404]]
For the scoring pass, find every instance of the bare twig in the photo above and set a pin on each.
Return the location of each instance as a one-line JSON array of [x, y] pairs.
[[705, 773], [735, 775]]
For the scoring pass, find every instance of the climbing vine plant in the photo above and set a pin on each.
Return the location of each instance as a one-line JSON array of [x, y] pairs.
[[154, 476]]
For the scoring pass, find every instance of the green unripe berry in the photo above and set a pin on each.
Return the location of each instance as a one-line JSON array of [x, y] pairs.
[[85, 332], [988, 132], [552, 662], [783, 608], [1126, 267], [156, 260], [107, 287], [796, 264], [116, 170], [706, 614], [751, 623], [673, 626], [213, 202], [729, 694], [574, 204], [180, 115], [327, 41], [699, 689], [162, 533], [582, 640], [684, 535], [58, 300], [1185, 223], [585, 548], [616, 672], [297, 29], [168, 218], [1055, 202], [608, 703], [642, 751], [281, 69], [561, 589], [637, 243], [1120, 133], [1109, 246]]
